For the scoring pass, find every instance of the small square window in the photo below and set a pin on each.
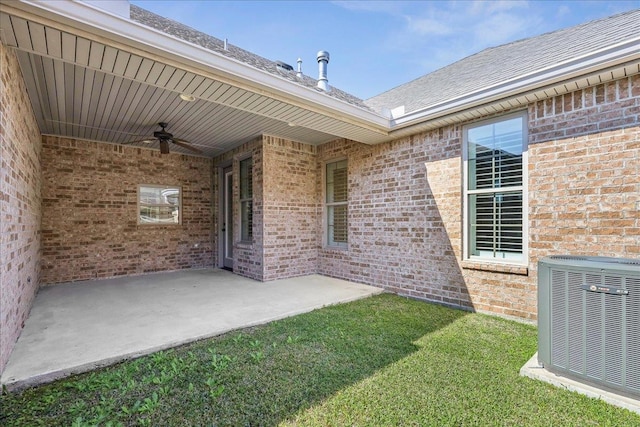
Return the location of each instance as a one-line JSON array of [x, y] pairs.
[[159, 204]]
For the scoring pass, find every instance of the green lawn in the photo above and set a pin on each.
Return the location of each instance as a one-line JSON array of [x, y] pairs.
[[381, 361]]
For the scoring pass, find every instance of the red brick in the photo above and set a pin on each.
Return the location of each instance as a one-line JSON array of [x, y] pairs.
[[102, 237], [20, 203], [576, 165], [600, 94]]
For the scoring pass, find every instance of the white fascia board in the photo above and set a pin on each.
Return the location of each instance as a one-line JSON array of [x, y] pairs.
[[78, 14], [612, 56]]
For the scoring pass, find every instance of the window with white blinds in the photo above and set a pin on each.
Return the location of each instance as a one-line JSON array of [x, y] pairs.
[[494, 189], [246, 199], [336, 203]]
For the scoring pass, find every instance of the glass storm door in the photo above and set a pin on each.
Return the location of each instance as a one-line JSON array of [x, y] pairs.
[[227, 218]]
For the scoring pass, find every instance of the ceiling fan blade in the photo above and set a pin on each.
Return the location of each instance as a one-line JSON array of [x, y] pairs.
[[164, 146], [187, 145], [146, 141]]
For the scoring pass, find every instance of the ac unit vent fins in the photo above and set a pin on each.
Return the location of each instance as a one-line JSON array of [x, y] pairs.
[[589, 320], [605, 260]]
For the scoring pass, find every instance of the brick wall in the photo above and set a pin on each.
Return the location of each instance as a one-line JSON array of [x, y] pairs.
[[284, 209], [402, 195], [89, 217], [584, 172], [248, 257], [290, 209], [20, 203], [405, 225]]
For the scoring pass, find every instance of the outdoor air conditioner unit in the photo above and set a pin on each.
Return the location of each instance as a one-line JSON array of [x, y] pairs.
[[589, 320]]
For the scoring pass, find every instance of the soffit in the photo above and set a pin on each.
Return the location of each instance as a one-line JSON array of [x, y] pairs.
[[435, 118], [84, 87]]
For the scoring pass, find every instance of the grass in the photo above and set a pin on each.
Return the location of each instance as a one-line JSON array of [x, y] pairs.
[[381, 361]]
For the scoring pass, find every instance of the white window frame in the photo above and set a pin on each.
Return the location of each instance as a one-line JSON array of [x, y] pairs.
[[466, 241], [327, 240], [141, 205], [244, 201]]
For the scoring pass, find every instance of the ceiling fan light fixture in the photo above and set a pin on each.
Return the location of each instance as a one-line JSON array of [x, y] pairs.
[[164, 139], [187, 97]]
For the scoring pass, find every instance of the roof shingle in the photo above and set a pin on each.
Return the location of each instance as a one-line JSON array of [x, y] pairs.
[[214, 44], [502, 63]]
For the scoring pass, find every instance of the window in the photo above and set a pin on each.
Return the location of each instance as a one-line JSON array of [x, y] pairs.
[[246, 199], [336, 203], [159, 204], [494, 187]]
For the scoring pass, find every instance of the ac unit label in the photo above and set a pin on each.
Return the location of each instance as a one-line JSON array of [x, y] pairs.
[[605, 289]]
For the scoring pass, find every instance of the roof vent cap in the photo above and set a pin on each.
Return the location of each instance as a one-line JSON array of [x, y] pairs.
[[299, 73], [323, 60], [284, 66]]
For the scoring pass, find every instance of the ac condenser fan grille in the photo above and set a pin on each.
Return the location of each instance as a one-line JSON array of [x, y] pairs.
[[590, 321]]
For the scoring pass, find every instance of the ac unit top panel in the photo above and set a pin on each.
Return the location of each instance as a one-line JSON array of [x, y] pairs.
[[627, 266]]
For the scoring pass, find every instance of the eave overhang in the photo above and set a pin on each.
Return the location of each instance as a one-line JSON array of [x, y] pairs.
[[119, 32], [333, 116], [598, 67]]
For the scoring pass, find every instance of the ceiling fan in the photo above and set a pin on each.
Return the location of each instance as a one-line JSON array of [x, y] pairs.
[[164, 138]]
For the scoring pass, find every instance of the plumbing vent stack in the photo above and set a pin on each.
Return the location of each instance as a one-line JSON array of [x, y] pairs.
[[299, 73], [323, 60]]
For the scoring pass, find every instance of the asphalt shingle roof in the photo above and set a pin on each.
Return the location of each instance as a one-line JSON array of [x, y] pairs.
[[214, 44], [483, 69], [498, 64]]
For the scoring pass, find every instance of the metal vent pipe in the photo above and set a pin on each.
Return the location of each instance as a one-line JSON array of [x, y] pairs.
[[299, 73], [323, 60]]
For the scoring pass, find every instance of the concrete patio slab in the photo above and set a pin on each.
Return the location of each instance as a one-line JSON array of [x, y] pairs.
[[76, 327]]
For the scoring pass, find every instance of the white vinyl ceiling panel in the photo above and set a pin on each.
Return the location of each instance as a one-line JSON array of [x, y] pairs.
[[104, 107], [83, 88]]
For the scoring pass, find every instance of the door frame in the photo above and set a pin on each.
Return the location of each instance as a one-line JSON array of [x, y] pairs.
[[223, 169]]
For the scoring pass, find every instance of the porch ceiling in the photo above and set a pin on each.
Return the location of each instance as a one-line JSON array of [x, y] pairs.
[[83, 85], [100, 76]]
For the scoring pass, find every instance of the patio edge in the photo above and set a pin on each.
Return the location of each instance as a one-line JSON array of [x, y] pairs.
[[533, 370], [18, 385]]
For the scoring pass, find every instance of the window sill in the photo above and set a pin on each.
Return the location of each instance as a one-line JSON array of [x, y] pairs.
[[520, 270], [336, 248]]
